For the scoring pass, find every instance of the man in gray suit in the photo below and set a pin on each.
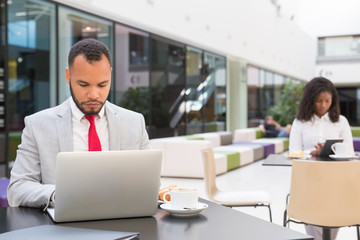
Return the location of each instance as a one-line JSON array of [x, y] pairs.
[[65, 127]]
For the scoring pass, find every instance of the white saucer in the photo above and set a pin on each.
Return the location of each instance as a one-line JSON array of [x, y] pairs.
[[184, 212], [297, 157], [341, 156]]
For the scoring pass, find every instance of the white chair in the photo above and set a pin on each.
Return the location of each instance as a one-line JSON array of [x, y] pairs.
[[325, 194], [230, 198]]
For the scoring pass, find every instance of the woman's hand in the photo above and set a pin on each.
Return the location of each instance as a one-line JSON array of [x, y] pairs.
[[317, 150]]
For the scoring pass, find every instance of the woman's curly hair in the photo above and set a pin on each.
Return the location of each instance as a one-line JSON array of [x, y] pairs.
[[311, 91]]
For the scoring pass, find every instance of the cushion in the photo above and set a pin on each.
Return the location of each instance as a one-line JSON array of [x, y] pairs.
[[4, 183]]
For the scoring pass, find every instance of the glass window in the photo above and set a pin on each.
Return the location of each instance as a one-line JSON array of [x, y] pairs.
[[214, 92], [348, 104], [31, 63], [74, 26], [253, 80], [358, 106], [339, 46], [167, 83], [279, 82], [195, 76], [266, 91], [132, 82], [2, 85]]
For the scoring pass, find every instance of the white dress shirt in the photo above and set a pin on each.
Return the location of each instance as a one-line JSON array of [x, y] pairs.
[[80, 128], [305, 135]]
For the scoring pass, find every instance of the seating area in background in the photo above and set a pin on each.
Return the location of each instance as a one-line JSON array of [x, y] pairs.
[[356, 137], [182, 155]]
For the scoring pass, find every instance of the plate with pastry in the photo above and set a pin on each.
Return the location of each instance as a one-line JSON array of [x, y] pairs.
[[297, 155]]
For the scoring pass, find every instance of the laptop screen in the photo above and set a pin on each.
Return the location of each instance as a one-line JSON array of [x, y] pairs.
[[104, 185]]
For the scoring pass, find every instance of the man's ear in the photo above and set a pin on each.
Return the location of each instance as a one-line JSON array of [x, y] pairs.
[[67, 75]]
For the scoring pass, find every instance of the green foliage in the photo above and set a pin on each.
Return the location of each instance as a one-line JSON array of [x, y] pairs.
[[136, 99], [139, 100], [284, 112], [160, 116]]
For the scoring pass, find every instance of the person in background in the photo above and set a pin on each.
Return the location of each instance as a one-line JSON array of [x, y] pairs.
[[317, 119], [86, 121], [271, 128]]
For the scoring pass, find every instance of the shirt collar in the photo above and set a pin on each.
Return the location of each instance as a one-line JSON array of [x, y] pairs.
[[78, 115], [324, 117]]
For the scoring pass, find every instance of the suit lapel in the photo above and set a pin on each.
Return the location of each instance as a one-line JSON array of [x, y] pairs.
[[114, 129], [64, 127]]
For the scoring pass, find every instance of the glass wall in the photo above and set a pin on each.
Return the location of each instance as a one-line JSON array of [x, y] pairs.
[[205, 91], [132, 70], [174, 86], [167, 88], [348, 98], [279, 81], [195, 73], [74, 26], [3, 135], [265, 90], [358, 106], [31, 63], [214, 91], [253, 83]]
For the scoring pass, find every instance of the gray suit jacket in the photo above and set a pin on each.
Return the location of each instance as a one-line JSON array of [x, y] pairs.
[[49, 132]]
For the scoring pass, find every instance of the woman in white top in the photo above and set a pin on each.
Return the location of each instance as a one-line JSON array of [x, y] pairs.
[[318, 118]]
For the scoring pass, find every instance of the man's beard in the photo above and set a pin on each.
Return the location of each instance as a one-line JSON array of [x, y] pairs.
[[78, 104]]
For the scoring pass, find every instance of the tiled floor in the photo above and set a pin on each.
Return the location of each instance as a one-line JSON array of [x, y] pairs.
[[274, 179]]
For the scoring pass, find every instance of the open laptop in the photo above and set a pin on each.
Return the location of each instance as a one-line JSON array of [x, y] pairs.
[[106, 185]]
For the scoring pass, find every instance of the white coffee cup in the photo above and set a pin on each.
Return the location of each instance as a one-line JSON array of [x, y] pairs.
[[181, 198], [340, 149]]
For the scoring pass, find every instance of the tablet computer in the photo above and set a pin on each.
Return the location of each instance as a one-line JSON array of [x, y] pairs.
[[326, 149]]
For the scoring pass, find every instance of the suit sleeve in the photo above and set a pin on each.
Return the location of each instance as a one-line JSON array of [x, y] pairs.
[[145, 144], [25, 188]]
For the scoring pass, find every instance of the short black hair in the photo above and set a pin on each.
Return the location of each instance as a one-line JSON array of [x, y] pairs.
[[91, 48], [311, 92]]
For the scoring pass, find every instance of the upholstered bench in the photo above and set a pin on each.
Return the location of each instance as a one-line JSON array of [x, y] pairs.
[[4, 182], [285, 143], [244, 134], [258, 148], [221, 138], [355, 131], [356, 141], [278, 142], [246, 153], [232, 158], [269, 148], [182, 157], [212, 137]]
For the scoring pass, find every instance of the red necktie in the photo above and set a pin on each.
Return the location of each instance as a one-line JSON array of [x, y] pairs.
[[94, 141]]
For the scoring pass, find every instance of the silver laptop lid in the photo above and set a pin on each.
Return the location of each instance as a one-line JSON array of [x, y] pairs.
[[104, 185]]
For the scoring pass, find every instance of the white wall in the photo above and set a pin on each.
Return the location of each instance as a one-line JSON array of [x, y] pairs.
[[341, 74], [328, 18], [251, 30]]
